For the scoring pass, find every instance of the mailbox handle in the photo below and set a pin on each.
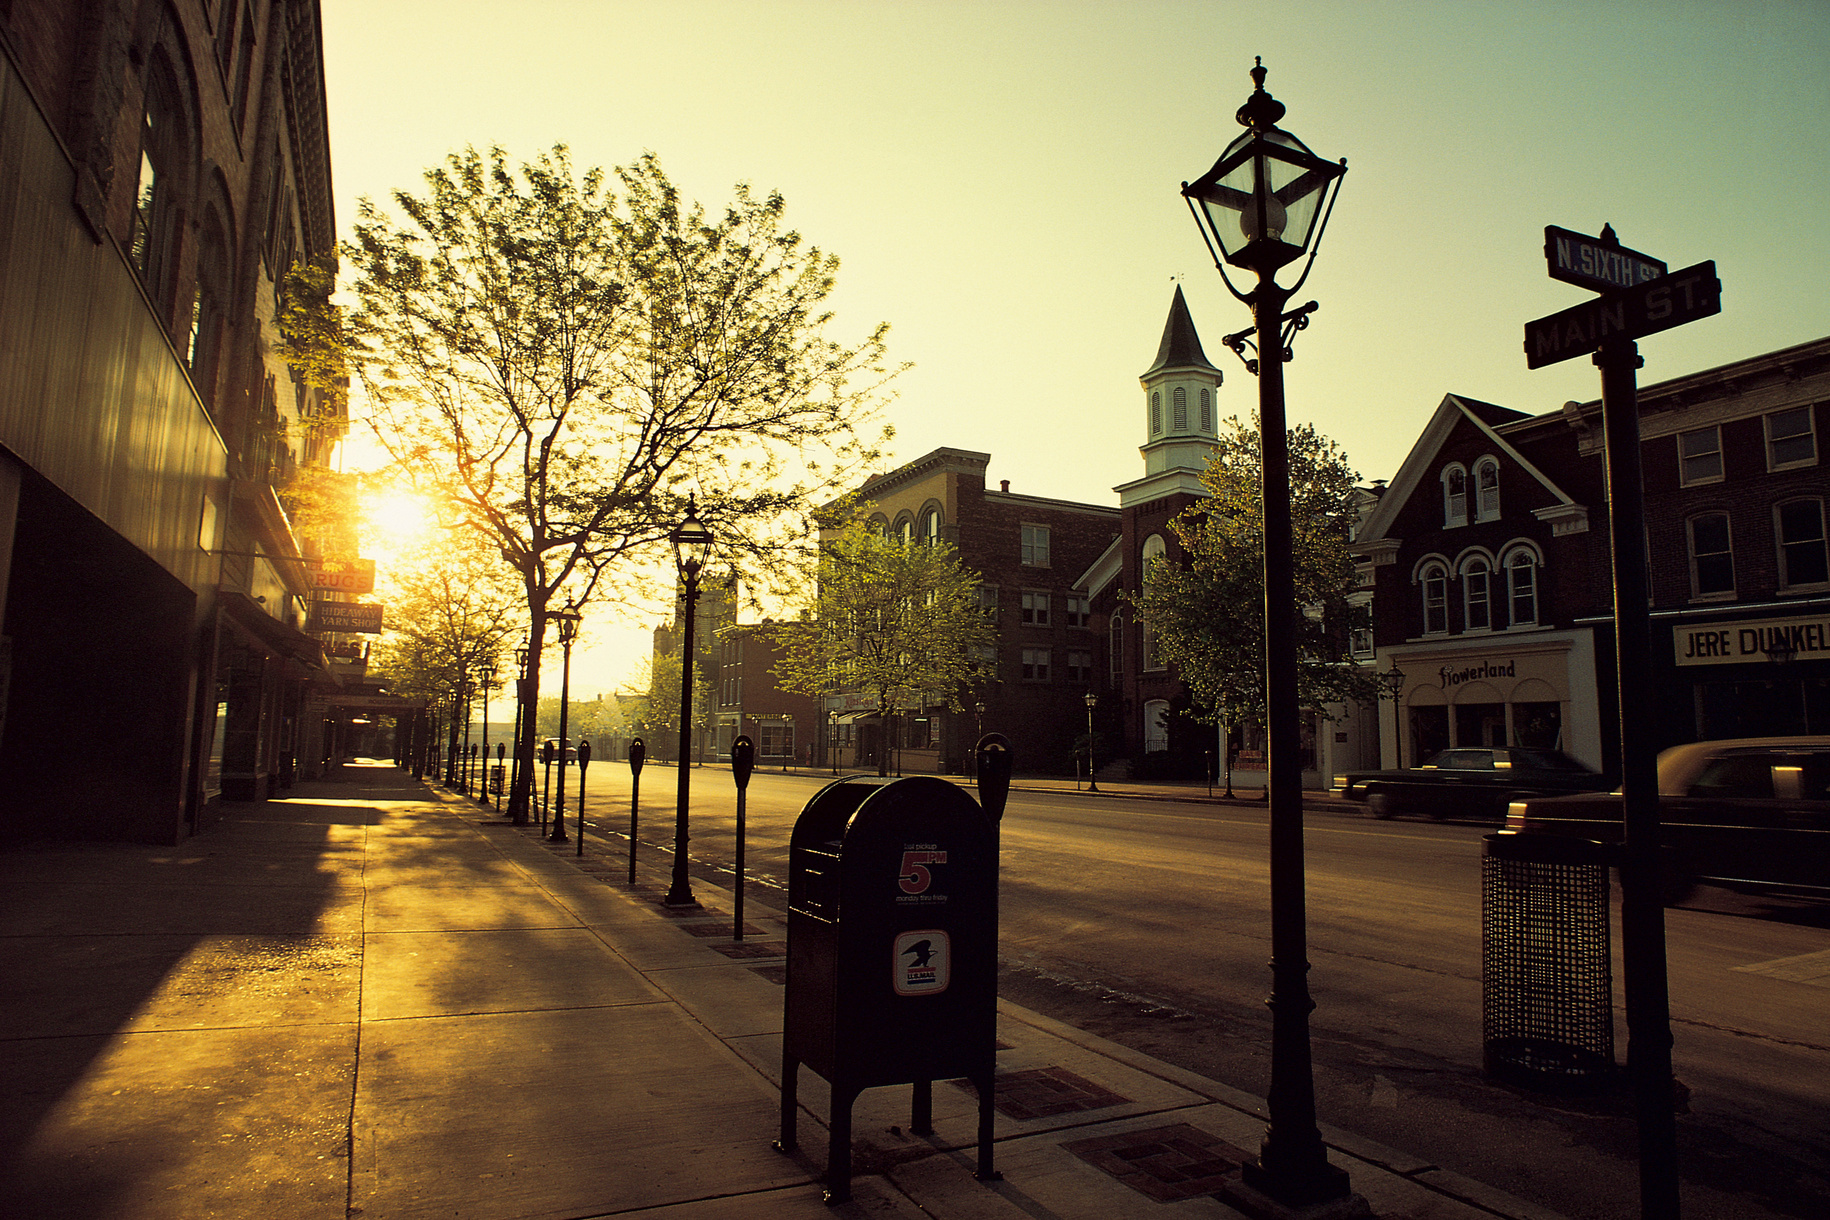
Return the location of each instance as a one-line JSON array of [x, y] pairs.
[[994, 774]]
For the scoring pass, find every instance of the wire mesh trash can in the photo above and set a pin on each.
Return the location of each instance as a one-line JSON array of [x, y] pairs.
[[1547, 988]]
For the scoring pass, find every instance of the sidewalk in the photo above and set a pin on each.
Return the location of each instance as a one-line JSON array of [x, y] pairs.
[[368, 999]]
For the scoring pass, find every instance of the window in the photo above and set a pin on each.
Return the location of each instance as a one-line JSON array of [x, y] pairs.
[[1207, 411], [1477, 604], [1156, 726], [1700, 456], [1179, 421], [905, 531], [1487, 485], [988, 601], [1790, 440], [1522, 587], [1035, 665], [1156, 412], [1079, 666], [1435, 599], [1115, 647], [1360, 641], [1079, 612], [209, 312], [1712, 558], [1802, 558], [1035, 609], [162, 152], [1035, 545], [1454, 497], [930, 527]]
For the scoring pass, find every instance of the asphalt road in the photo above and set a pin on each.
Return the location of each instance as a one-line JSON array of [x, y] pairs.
[[1147, 922]]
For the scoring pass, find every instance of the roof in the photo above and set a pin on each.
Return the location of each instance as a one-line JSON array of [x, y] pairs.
[[1181, 346]]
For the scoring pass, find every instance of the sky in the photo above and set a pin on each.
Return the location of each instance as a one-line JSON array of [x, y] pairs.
[[1001, 180]]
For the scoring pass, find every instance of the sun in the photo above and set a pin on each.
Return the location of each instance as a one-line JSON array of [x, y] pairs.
[[398, 522]]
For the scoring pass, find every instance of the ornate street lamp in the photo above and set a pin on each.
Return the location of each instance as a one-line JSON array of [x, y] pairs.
[[1262, 206], [1394, 684], [486, 676], [1092, 702], [692, 549], [567, 620], [518, 813]]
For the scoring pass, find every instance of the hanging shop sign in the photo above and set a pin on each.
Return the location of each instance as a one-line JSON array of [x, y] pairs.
[[344, 616]]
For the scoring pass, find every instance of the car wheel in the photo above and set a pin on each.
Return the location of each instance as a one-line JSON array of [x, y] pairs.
[[1379, 803]]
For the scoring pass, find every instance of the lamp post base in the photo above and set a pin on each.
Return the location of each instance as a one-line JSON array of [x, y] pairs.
[[1257, 1194]]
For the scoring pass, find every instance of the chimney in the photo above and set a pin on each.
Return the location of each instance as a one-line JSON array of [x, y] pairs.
[[1003, 484]]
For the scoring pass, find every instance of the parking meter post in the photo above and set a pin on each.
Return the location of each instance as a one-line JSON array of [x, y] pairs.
[[546, 782], [501, 772], [743, 761], [994, 774], [638, 754], [584, 760]]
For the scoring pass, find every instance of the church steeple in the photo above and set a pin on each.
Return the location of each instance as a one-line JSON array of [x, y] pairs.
[[1180, 391]]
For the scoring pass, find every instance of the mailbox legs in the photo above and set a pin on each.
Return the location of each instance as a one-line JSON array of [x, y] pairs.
[[787, 1141], [986, 1084], [838, 1144]]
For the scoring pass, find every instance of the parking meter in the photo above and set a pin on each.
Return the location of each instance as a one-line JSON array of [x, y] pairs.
[[743, 761], [638, 753]]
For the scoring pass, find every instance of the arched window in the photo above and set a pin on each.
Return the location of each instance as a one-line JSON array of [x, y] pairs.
[[1207, 410], [1179, 420], [1487, 489], [1156, 412], [1477, 597], [1521, 567], [1435, 581], [1115, 646], [164, 164], [1454, 496], [209, 310], [1154, 549], [905, 531], [930, 527]]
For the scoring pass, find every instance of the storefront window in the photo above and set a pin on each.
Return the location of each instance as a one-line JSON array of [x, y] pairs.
[[1480, 724], [1538, 724], [1429, 732]]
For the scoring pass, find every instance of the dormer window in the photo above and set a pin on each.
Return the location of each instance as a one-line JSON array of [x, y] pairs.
[[1487, 488], [1454, 497]]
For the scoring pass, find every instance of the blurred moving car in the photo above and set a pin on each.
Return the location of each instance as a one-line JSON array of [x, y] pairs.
[[1749, 813], [1469, 782]]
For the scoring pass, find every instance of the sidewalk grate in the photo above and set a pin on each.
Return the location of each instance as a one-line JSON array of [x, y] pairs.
[[754, 948], [1166, 1163], [775, 974], [722, 928], [1040, 1092]]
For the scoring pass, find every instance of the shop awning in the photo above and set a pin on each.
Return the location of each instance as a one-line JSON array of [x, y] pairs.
[[283, 641]]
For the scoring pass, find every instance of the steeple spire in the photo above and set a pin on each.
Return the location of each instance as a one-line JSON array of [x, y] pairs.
[[1181, 346]]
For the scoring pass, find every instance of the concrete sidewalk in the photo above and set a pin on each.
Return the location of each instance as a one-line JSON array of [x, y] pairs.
[[369, 999]]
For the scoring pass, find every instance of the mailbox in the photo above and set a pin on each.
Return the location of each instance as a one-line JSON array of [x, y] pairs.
[[892, 952]]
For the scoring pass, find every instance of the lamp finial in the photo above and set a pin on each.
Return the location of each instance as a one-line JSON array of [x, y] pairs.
[[1261, 111]]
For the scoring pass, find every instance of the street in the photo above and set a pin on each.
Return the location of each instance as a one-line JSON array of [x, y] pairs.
[[1146, 921]]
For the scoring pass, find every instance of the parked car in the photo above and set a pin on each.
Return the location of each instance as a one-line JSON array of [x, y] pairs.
[[550, 749], [1750, 813], [1469, 782]]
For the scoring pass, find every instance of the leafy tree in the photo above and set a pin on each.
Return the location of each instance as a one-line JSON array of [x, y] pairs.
[[1206, 614], [659, 718], [894, 619], [566, 362]]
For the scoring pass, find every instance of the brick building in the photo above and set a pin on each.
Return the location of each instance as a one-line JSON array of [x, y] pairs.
[[1488, 562], [1028, 551], [167, 161]]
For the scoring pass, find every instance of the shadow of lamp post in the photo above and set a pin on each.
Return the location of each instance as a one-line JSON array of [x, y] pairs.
[[692, 547], [1258, 209]]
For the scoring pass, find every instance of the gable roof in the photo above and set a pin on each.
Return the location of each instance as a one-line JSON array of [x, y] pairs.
[[1423, 458]]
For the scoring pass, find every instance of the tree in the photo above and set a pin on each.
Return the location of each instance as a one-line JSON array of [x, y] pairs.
[[659, 719], [896, 620], [1206, 614], [567, 364]]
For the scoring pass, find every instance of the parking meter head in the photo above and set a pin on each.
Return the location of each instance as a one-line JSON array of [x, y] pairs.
[[638, 754], [584, 754], [501, 750], [546, 751], [994, 774], [743, 760]]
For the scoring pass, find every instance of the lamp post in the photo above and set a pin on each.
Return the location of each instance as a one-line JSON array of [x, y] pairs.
[[692, 547], [567, 620], [1092, 702], [518, 814], [1394, 681], [486, 676], [1258, 209]]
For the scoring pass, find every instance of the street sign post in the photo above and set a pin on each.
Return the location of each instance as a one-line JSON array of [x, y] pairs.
[[1625, 313], [1599, 263]]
